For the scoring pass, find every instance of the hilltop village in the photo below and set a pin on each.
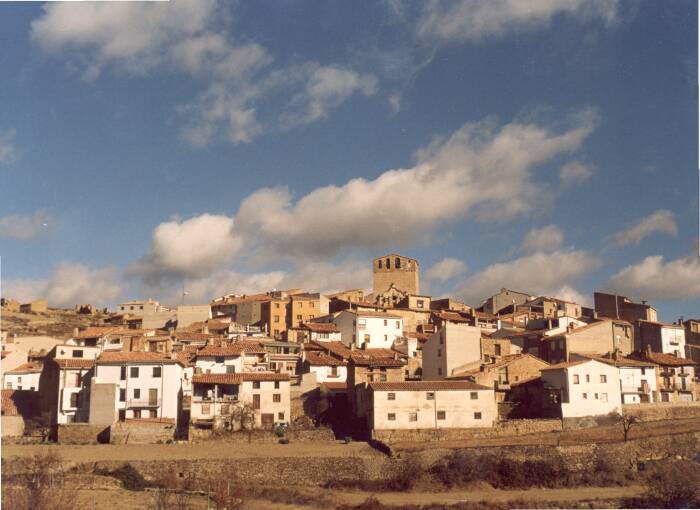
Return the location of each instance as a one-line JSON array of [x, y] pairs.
[[390, 363]]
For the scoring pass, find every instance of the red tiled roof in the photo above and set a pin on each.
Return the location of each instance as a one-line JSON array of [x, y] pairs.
[[27, 368], [381, 315], [75, 363], [193, 336], [363, 359], [421, 337], [567, 364], [451, 316], [97, 331], [336, 386], [427, 386], [319, 358], [238, 378], [320, 327], [184, 357], [335, 347], [661, 358], [134, 357], [227, 350]]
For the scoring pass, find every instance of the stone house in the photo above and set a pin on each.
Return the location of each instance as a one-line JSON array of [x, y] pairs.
[[215, 396], [584, 387], [372, 365], [326, 367], [415, 405], [36, 306], [692, 331], [503, 300], [600, 337], [620, 307], [314, 331]]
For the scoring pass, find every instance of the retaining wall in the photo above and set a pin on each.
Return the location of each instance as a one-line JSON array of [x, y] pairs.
[[261, 436], [664, 410]]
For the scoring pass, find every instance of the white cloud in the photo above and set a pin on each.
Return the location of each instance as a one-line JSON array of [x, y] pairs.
[[23, 227], [446, 269], [575, 172], [476, 20], [191, 248], [481, 169], [8, 150], [661, 221], [540, 273], [654, 278], [68, 285], [547, 238]]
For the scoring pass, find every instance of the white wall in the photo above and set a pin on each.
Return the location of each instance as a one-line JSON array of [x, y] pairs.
[[168, 386], [452, 346], [22, 381], [208, 364], [458, 406], [631, 379], [673, 341], [323, 374], [382, 331]]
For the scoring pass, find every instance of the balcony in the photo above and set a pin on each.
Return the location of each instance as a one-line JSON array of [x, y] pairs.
[[219, 398], [143, 402], [502, 385]]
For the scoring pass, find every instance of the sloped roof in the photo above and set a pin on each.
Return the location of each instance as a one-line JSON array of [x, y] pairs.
[[97, 331], [75, 363], [427, 386], [567, 364], [134, 357], [320, 327], [27, 368], [238, 378], [320, 358], [661, 358]]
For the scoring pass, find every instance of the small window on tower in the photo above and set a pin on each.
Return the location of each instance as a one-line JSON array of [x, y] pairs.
[[397, 263], [380, 264]]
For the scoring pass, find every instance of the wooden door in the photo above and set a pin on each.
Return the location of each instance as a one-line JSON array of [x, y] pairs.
[[153, 397], [256, 401], [267, 420]]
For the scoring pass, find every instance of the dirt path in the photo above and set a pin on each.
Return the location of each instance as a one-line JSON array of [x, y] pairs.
[[209, 449], [493, 495], [605, 434]]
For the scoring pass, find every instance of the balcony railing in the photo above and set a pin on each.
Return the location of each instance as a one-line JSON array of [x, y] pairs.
[[220, 398], [145, 402]]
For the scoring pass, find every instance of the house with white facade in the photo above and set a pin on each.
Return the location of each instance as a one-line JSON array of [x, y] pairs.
[[24, 377], [661, 337], [675, 375], [428, 405], [637, 377], [327, 368], [455, 346], [148, 384], [584, 387], [216, 395], [64, 383], [372, 330]]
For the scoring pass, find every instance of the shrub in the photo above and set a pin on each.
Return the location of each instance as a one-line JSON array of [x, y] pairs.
[[405, 475], [675, 485], [128, 475], [39, 485]]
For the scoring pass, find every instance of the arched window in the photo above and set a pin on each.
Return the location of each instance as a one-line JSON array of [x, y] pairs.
[[388, 263], [380, 264], [397, 263]]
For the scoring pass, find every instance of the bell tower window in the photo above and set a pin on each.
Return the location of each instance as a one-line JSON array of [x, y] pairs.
[[397, 263]]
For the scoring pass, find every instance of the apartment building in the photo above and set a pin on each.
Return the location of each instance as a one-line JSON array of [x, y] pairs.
[[638, 378], [661, 337], [372, 330], [675, 376], [454, 346], [600, 337]]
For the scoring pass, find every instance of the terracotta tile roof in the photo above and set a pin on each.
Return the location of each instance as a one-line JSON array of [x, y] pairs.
[[75, 363], [227, 350], [484, 315], [238, 378], [337, 348], [186, 358], [381, 315], [421, 337], [319, 358], [451, 316], [320, 327], [502, 362], [427, 386], [361, 358], [193, 336], [664, 359], [336, 386], [134, 357], [97, 331], [622, 361], [27, 368], [241, 299], [567, 364], [8, 407]]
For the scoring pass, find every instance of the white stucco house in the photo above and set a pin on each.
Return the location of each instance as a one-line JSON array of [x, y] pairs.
[[586, 387], [637, 377], [326, 367], [24, 377], [372, 330], [149, 384], [428, 405]]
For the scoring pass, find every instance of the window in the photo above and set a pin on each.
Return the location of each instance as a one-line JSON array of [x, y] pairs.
[[604, 397], [19, 379], [277, 385], [439, 353], [280, 416], [391, 417], [157, 371], [477, 416], [382, 377], [277, 318], [644, 371], [219, 359], [137, 413], [391, 396], [380, 264], [595, 396], [256, 385], [419, 303], [122, 395], [206, 409], [134, 372], [603, 378], [77, 353], [334, 372], [277, 305], [439, 371], [152, 413], [585, 396], [385, 322], [588, 378], [575, 378], [397, 263], [497, 349], [441, 415], [398, 324], [412, 416], [298, 317], [141, 307], [277, 398], [430, 395], [137, 393], [230, 369], [75, 399], [388, 263], [474, 395]]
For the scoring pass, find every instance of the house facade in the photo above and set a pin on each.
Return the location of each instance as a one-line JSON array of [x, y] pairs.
[[661, 337], [372, 330], [453, 346], [24, 377]]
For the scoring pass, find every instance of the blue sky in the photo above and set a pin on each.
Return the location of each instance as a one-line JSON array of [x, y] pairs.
[[243, 146]]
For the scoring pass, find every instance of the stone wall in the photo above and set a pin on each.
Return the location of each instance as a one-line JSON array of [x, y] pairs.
[[503, 428], [79, 433], [12, 426], [141, 432], [262, 436], [664, 410]]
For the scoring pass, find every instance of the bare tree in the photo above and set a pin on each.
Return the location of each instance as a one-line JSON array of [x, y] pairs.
[[627, 421], [38, 484], [243, 414]]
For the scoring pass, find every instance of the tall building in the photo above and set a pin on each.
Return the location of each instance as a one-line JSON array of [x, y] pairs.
[[397, 270]]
